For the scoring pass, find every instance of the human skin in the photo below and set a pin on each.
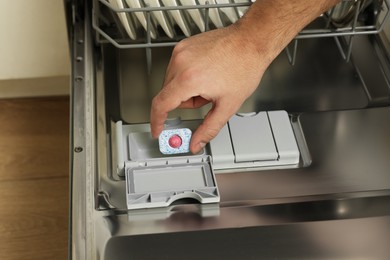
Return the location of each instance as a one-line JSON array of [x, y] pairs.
[[225, 66]]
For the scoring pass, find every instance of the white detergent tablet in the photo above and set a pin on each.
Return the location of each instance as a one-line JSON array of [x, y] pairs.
[[173, 141]]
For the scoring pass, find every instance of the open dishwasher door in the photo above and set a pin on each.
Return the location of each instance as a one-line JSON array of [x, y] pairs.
[[330, 203]]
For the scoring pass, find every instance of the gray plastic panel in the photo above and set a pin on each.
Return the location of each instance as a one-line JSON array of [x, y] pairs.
[[156, 186], [222, 148], [258, 141], [252, 138], [284, 137], [142, 146]]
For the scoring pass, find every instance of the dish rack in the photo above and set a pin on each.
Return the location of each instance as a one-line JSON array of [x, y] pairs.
[[145, 26]]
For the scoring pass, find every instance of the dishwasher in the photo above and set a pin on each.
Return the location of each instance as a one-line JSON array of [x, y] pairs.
[[302, 170]]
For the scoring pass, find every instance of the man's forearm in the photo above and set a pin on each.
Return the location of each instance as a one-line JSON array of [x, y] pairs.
[[271, 24]]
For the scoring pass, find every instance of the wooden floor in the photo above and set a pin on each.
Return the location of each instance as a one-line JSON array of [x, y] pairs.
[[34, 182]]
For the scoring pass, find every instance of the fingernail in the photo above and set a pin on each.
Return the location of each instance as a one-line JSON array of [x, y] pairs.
[[202, 144]]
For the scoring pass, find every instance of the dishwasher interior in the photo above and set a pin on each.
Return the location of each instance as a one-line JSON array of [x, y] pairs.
[[332, 81]]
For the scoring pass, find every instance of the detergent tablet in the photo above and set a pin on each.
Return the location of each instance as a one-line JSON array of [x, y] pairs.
[[174, 141]]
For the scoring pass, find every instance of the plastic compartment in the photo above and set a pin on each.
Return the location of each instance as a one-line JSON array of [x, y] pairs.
[[157, 180], [159, 186], [153, 179], [256, 140]]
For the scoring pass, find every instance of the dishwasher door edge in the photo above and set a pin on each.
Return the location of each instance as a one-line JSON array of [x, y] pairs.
[[82, 157]]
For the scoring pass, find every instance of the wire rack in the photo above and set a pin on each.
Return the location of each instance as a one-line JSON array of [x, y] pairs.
[[139, 27]]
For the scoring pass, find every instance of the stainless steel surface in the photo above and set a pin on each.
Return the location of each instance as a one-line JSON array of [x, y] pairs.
[[319, 81], [348, 179], [337, 207], [358, 238]]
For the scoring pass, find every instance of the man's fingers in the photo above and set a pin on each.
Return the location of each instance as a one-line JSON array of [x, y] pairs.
[[157, 119], [169, 98], [161, 105]]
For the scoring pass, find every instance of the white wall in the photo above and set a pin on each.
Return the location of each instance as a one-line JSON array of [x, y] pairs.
[[33, 39]]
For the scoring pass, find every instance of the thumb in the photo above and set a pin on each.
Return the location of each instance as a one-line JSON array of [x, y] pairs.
[[212, 124]]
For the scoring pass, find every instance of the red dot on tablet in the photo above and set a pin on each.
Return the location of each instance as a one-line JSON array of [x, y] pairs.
[[175, 141]]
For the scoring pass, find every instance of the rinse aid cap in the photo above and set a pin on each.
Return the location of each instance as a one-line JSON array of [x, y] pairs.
[[174, 141]]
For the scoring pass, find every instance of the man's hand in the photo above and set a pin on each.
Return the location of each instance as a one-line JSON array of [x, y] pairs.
[[218, 67], [224, 66]]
